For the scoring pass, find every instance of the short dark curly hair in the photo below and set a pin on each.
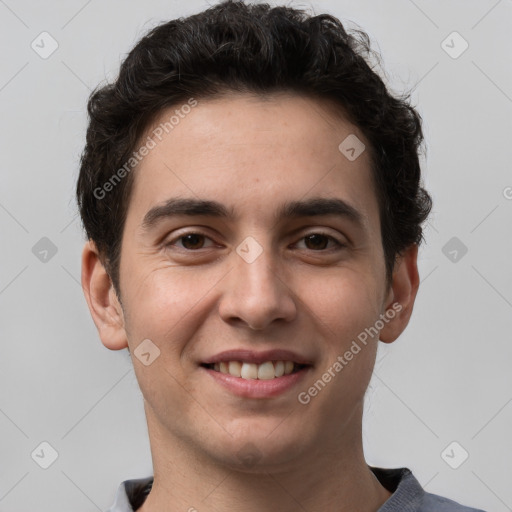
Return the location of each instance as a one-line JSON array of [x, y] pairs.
[[250, 48]]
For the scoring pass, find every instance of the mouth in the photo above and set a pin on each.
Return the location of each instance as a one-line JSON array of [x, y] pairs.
[[254, 374], [268, 370]]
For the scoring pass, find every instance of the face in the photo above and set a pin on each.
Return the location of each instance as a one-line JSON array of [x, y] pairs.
[[248, 231]]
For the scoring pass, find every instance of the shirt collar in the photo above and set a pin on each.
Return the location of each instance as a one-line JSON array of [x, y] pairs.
[[406, 491]]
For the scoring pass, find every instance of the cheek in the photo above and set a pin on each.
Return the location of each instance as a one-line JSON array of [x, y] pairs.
[[166, 303], [343, 308], [344, 304]]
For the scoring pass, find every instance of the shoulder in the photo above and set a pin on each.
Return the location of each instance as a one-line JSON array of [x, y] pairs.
[[433, 502], [131, 494], [408, 495]]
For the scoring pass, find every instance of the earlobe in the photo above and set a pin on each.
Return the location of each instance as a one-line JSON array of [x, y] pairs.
[[102, 300], [402, 294]]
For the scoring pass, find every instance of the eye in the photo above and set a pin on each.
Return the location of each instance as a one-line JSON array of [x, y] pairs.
[[189, 241], [320, 242]]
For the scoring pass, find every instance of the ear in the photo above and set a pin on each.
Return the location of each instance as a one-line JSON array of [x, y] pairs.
[[401, 295], [102, 300]]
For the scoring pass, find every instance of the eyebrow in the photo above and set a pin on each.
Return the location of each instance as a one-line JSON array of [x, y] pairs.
[[314, 207]]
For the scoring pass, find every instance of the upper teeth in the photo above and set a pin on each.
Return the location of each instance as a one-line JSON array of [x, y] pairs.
[[264, 371]]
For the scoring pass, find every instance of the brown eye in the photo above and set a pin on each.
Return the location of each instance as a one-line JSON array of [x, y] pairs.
[[316, 241], [320, 242], [192, 241]]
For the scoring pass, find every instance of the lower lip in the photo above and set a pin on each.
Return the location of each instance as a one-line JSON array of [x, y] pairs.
[[256, 388]]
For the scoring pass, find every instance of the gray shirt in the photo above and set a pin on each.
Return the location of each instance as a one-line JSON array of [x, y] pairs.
[[408, 495]]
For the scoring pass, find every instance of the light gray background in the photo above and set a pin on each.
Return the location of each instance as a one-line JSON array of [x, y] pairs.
[[446, 379]]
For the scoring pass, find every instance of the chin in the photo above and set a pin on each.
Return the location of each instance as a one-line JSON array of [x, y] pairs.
[[262, 451]]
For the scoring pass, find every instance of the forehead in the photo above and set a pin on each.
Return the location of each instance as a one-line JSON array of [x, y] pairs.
[[252, 152], [305, 125]]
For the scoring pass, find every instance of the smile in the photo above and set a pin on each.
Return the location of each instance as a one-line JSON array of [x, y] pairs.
[[251, 371]]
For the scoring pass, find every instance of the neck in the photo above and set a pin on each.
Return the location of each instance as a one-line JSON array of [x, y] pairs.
[[327, 480]]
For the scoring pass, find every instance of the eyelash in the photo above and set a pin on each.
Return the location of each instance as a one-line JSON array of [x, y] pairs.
[[338, 245]]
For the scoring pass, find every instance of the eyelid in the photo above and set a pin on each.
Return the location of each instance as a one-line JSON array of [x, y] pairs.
[[321, 232]]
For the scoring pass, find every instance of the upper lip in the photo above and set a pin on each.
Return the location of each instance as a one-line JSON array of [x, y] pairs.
[[250, 356]]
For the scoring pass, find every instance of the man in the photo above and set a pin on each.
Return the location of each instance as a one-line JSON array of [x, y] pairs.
[[252, 201]]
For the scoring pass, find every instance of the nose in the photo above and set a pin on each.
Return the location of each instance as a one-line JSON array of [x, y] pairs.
[[256, 294]]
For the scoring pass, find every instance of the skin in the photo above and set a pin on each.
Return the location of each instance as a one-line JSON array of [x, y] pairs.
[[196, 299]]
